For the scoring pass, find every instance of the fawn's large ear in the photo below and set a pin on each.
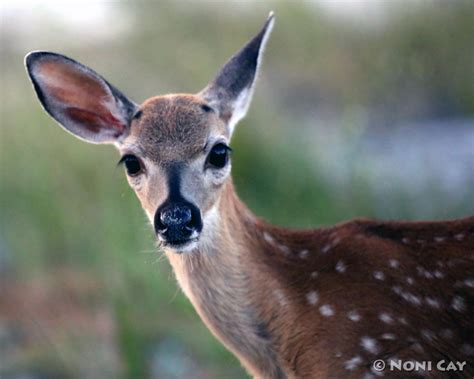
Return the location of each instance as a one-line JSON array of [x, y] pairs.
[[79, 99], [231, 90]]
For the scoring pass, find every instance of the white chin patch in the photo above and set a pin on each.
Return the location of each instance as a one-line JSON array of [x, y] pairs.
[[187, 247]]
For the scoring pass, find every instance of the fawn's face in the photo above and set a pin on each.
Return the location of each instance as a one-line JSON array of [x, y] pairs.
[[175, 148], [177, 159]]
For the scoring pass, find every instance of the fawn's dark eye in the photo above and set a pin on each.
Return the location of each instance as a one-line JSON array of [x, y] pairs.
[[219, 156], [132, 164]]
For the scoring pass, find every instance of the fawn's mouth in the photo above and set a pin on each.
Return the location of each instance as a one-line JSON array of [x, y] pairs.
[[179, 245]]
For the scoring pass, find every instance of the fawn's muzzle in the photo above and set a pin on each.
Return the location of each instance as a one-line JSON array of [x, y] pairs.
[[177, 223]]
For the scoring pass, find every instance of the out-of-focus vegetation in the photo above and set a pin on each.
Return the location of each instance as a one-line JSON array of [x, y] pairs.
[[84, 291]]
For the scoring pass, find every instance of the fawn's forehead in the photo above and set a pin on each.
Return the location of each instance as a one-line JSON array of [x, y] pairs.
[[174, 127]]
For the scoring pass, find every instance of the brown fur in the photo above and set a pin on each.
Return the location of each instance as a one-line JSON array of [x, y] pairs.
[[180, 127]]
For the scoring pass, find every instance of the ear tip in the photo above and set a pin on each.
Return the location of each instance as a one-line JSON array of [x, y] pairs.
[[34, 56], [267, 28], [270, 20], [30, 58]]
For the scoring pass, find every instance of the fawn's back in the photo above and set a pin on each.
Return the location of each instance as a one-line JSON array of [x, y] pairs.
[[367, 290]]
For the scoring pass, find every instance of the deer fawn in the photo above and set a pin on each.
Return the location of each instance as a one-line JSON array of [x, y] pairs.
[[323, 303]]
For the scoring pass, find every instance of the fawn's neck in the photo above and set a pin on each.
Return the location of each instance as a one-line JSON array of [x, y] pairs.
[[221, 282]]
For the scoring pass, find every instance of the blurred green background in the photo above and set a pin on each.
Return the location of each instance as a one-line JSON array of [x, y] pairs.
[[363, 108]]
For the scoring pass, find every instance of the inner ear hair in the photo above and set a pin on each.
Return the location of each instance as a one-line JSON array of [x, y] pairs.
[[81, 100]]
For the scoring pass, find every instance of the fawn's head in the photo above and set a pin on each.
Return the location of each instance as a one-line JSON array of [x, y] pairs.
[[175, 148]]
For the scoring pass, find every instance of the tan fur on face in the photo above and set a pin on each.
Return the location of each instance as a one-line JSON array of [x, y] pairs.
[[174, 128]]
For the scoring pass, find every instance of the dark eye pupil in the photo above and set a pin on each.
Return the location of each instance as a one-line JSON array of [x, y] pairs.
[[219, 155], [132, 164]]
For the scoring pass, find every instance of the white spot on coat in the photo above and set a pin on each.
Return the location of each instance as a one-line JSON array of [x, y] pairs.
[[284, 249], [352, 363], [368, 375], [385, 317], [369, 344], [281, 298], [326, 310], [428, 275], [335, 241], [458, 304], [432, 302], [427, 334], [340, 267], [411, 298], [303, 254], [354, 316], [388, 336], [403, 320], [397, 290], [326, 248], [459, 236], [267, 237], [469, 282], [312, 297], [379, 275], [394, 263], [438, 274], [422, 272]]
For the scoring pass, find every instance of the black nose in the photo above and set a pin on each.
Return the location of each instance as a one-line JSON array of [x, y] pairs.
[[176, 222]]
